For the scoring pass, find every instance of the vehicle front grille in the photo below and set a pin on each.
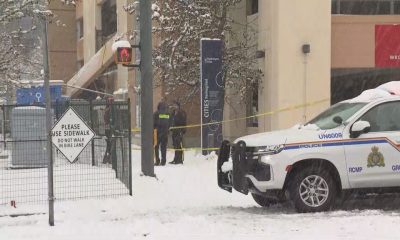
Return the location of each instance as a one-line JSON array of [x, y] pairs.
[[252, 166], [262, 172]]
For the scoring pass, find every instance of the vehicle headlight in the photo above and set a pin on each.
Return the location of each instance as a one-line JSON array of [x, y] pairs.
[[268, 150]]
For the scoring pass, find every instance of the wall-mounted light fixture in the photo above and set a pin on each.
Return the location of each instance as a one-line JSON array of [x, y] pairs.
[[260, 54], [306, 48]]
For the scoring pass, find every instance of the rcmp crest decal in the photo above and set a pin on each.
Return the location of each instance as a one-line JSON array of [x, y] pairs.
[[375, 158]]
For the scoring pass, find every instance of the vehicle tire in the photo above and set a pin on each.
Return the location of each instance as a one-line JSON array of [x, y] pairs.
[[263, 201], [312, 190]]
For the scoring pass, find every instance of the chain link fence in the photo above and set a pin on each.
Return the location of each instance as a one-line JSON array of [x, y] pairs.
[[103, 169]]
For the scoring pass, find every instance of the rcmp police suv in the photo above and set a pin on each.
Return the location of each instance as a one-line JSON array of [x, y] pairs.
[[353, 145]]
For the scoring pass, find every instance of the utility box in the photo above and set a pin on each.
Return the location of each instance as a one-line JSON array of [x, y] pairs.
[[28, 132]]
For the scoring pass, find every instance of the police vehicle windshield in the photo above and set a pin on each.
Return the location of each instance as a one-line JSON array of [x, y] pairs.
[[336, 115]]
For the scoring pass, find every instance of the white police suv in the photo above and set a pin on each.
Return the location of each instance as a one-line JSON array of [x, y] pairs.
[[353, 145]]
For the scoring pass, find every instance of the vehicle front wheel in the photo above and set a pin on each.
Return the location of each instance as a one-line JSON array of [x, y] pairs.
[[263, 201], [312, 190]]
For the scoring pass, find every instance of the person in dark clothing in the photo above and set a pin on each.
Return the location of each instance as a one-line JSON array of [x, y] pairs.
[[178, 121], [161, 124]]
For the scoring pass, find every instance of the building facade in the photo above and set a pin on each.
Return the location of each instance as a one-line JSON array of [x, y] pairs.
[[312, 53], [315, 53], [61, 42], [295, 63]]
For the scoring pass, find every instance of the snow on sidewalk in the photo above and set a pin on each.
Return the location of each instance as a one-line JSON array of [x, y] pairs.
[[184, 202]]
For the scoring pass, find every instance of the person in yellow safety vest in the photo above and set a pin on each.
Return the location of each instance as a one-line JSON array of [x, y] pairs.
[[162, 123]]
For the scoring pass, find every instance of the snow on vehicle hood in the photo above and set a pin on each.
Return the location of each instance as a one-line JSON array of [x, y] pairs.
[[265, 138], [297, 134]]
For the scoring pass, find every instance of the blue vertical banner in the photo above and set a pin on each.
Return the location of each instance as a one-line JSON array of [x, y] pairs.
[[212, 93]]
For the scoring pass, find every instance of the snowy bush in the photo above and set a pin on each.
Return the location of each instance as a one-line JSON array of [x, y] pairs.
[[178, 26], [21, 39]]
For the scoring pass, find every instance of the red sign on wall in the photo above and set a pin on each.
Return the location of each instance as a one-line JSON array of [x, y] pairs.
[[387, 45]]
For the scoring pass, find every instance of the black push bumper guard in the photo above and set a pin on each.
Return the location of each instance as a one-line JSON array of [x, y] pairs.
[[243, 163]]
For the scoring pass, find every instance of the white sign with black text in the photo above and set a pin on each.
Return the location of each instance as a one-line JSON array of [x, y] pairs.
[[71, 135]]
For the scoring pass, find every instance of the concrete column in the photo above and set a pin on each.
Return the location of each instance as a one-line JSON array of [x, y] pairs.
[[62, 43], [266, 26], [235, 108], [90, 9]]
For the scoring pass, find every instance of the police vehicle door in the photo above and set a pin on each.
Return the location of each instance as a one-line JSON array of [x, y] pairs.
[[373, 158]]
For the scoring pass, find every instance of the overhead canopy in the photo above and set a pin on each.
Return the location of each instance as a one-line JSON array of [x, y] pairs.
[[92, 69]]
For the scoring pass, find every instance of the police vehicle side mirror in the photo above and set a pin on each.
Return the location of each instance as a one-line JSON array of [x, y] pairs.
[[359, 128], [338, 120]]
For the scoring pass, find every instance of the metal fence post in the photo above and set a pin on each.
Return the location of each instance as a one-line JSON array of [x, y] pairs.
[[113, 151], [129, 147], [92, 126], [48, 125], [4, 128]]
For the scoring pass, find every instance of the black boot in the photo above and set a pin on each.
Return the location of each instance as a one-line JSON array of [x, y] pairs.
[[106, 159], [179, 158], [173, 161]]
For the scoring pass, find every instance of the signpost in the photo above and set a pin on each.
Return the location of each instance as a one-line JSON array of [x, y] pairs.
[[212, 93], [71, 135]]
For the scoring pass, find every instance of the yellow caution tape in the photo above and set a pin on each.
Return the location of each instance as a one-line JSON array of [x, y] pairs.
[[293, 107], [185, 149]]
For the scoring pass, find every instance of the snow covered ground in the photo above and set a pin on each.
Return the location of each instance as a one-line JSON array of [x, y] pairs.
[[184, 202]]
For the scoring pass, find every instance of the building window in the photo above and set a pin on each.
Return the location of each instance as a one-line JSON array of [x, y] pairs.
[[28, 39], [251, 7], [79, 64], [252, 105], [79, 28], [396, 8], [348, 83], [365, 7], [335, 7], [108, 18]]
